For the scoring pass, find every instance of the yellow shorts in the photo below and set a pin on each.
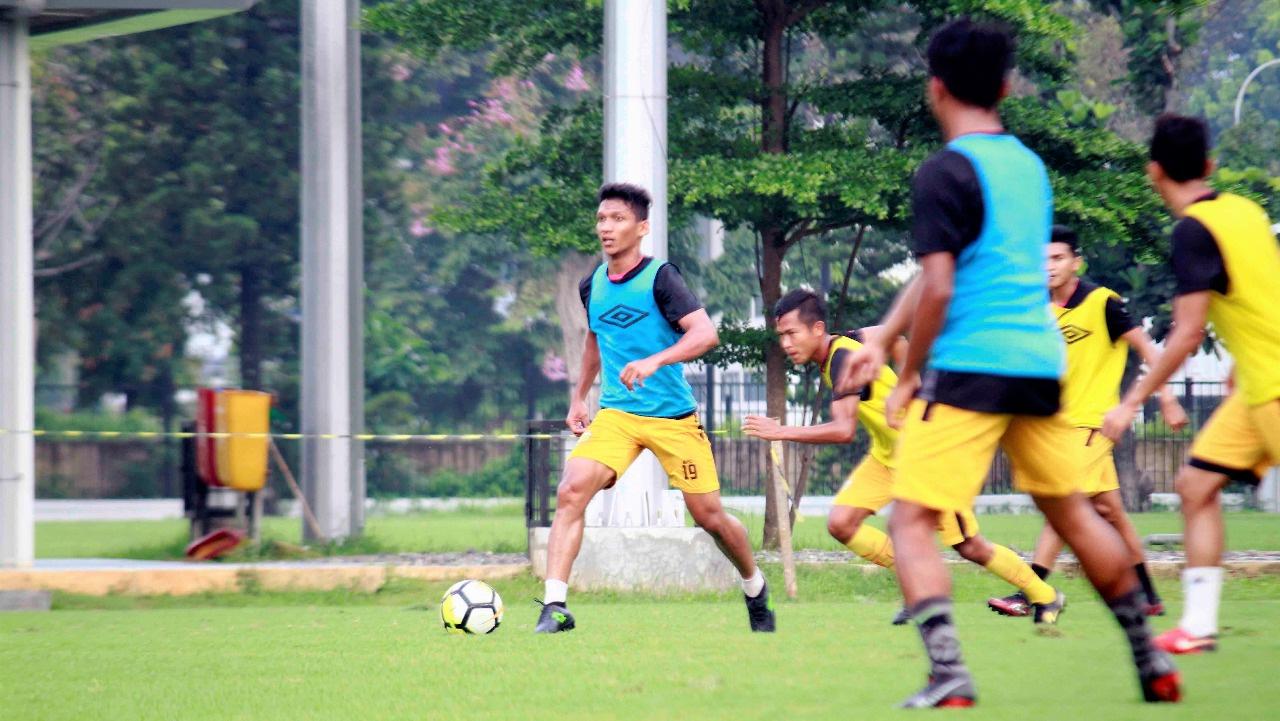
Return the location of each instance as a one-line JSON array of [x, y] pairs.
[[1240, 441], [945, 453], [616, 438], [870, 486], [1098, 472]]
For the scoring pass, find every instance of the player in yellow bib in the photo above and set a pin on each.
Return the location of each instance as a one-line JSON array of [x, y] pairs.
[[802, 330], [1099, 333], [1227, 266]]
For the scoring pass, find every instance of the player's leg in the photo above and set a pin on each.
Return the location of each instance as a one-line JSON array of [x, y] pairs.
[[960, 531], [1110, 505], [943, 457], [685, 452], [867, 491], [1045, 466], [1048, 546], [603, 452], [1234, 442]]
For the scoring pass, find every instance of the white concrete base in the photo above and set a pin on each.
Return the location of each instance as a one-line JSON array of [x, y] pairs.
[[655, 560]]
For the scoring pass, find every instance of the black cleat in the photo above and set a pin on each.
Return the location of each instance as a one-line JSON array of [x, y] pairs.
[[1014, 605], [953, 692], [902, 617], [1046, 614], [555, 618], [760, 612]]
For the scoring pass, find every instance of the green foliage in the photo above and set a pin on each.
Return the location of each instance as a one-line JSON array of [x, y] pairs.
[[134, 421]]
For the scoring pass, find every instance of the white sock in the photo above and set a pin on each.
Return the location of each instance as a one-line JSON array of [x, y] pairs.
[[1201, 592], [754, 585], [555, 591]]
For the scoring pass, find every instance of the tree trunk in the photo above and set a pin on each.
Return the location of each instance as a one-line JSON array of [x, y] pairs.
[[773, 138], [573, 319], [775, 372], [250, 339]]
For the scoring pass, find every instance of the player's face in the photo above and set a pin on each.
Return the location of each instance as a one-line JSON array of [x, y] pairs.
[[798, 340], [617, 227], [1063, 265]]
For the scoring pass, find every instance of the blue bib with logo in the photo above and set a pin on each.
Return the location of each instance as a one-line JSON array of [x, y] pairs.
[[629, 326], [999, 322]]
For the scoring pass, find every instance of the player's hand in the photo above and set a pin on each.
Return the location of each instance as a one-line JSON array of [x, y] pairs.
[[634, 373], [860, 368], [1173, 412], [579, 417], [895, 406], [762, 427], [1118, 420]]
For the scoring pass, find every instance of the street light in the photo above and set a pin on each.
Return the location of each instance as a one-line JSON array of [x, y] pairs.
[[1245, 84]]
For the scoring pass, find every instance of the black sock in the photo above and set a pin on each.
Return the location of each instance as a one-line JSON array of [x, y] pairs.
[[1041, 571], [1148, 587], [1128, 611], [933, 618]]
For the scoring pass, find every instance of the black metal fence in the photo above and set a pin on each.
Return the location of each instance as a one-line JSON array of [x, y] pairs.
[[1147, 460]]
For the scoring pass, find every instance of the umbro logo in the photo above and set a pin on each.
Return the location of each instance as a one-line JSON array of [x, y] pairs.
[[1072, 333], [623, 316]]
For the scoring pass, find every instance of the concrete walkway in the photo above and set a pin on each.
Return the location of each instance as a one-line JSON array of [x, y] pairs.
[[102, 576]]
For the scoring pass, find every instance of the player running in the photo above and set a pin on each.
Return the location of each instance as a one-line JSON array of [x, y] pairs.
[[1227, 266], [643, 324], [801, 322], [1093, 322], [986, 359]]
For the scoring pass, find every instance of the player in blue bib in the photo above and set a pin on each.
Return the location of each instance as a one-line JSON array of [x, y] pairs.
[[644, 323], [984, 364]]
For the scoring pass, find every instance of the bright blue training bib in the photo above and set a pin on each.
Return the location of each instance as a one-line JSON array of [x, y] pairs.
[[629, 326]]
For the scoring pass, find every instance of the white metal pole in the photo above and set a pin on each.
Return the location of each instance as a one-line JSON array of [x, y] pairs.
[[17, 301], [328, 345], [635, 151], [1245, 84]]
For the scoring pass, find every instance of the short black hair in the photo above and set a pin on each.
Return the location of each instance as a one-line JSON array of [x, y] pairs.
[[634, 196], [811, 306], [972, 59], [1180, 145], [1063, 234]]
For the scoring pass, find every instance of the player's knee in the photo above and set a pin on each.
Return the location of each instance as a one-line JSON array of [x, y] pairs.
[[842, 527], [1194, 488], [572, 494], [974, 549], [714, 523]]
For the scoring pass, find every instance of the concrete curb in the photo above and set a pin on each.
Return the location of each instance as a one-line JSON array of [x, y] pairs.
[[170, 581]]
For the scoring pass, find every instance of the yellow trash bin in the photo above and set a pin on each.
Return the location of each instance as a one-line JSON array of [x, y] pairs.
[[242, 461]]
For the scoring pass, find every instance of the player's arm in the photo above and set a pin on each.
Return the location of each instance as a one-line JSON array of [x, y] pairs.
[[840, 429], [681, 308], [1190, 312], [895, 345], [1170, 408], [863, 365], [579, 414]]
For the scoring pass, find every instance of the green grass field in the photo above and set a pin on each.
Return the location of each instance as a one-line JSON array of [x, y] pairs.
[[502, 529], [341, 655]]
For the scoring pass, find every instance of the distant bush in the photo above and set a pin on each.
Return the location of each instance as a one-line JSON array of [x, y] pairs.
[[135, 421], [390, 475]]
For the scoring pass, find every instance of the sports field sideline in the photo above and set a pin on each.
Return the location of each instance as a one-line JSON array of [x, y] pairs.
[[343, 655]]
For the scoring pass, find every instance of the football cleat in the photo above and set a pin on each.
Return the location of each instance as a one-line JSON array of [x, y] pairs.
[[554, 619], [760, 612], [1160, 680], [902, 617], [953, 692], [1014, 605], [1178, 641], [1046, 614]]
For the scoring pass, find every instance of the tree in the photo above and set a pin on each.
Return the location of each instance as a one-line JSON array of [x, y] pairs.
[[791, 120]]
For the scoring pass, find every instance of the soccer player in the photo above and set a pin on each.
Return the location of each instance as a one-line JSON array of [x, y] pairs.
[[802, 330], [1093, 322], [1227, 266], [982, 334], [643, 324]]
